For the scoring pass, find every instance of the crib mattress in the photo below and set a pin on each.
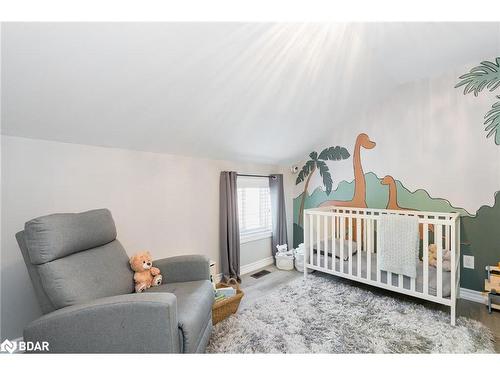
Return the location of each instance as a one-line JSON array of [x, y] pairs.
[[337, 248], [406, 280]]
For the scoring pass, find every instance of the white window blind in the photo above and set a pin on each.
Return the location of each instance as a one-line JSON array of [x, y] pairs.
[[254, 208]]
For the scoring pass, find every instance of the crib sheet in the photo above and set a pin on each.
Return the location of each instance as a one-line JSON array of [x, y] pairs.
[[337, 248]]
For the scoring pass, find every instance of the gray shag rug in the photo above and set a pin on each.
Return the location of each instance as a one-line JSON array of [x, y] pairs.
[[323, 315]]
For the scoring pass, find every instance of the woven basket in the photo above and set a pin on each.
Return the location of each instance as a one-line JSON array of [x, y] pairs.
[[222, 309]]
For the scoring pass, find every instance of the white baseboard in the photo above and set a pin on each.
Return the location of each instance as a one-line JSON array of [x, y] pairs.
[[472, 295], [247, 268]]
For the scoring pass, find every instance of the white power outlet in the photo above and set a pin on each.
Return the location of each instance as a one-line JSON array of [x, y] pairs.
[[469, 261]]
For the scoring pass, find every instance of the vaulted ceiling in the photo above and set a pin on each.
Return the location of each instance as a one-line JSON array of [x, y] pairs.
[[239, 91]]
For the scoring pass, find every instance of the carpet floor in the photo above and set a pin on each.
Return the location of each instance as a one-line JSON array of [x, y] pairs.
[[321, 315]]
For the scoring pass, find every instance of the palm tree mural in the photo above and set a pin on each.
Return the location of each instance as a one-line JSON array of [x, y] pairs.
[[485, 75], [318, 162]]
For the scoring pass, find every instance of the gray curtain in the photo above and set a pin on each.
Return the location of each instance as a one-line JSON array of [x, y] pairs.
[[278, 211], [229, 226]]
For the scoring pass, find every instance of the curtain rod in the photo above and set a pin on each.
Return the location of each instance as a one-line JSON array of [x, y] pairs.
[[254, 175]]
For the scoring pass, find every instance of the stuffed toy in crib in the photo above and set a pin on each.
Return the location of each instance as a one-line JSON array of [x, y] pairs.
[[433, 258], [145, 274]]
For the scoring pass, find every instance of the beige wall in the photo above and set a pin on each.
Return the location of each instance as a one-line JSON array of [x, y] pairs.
[[167, 204]]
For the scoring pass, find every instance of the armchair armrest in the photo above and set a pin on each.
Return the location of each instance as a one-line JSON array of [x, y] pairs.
[[184, 268], [129, 323]]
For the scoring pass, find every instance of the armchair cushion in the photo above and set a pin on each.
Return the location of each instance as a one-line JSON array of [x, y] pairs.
[[78, 278], [194, 310], [58, 235], [183, 268]]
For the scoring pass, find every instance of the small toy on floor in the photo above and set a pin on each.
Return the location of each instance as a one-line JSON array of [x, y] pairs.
[[283, 250], [145, 274], [284, 258]]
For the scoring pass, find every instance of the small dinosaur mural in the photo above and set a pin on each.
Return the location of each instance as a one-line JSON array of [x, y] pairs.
[[392, 202]]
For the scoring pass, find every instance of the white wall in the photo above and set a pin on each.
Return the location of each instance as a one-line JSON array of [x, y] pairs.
[[167, 204]]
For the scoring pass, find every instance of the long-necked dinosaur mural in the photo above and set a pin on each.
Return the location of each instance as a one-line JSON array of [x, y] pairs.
[[392, 202], [359, 197]]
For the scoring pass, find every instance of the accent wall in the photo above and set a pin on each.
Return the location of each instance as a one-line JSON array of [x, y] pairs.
[[423, 148]]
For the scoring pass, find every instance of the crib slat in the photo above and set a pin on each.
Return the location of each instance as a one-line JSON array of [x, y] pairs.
[[358, 243], [447, 237], [350, 246], [379, 272], [335, 235], [338, 226], [311, 239], [306, 241], [456, 264], [341, 241], [439, 269], [325, 241], [400, 281], [333, 244], [369, 249], [453, 261], [318, 244], [412, 284], [454, 281], [425, 251]]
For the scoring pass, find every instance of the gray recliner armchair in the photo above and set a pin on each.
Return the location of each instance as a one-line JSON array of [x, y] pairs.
[[84, 285]]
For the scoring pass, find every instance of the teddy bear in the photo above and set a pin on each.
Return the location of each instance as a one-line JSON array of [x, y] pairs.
[[433, 257], [145, 274]]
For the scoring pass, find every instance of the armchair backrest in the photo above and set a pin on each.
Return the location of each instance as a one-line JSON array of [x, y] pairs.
[[74, 258]]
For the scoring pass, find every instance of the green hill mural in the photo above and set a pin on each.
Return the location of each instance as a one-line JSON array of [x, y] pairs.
[[480, 237], [377, 196]]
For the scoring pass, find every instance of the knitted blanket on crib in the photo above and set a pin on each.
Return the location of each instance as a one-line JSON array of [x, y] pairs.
[[399, 241]]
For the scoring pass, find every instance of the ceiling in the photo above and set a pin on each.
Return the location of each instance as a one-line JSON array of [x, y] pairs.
[[239, 91]]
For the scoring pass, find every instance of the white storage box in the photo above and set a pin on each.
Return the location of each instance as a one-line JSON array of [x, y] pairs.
[[299, 259], [284, 262]]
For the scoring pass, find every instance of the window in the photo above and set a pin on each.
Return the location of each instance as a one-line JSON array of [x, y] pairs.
[[254, 208]]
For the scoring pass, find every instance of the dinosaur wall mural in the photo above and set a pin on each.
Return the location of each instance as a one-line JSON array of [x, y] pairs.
[[392, 202], [371, 191]]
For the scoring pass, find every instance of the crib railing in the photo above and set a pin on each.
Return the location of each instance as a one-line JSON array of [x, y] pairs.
[[346, 232]]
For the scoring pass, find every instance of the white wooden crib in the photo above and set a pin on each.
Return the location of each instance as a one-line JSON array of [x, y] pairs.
[[343, 241]]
